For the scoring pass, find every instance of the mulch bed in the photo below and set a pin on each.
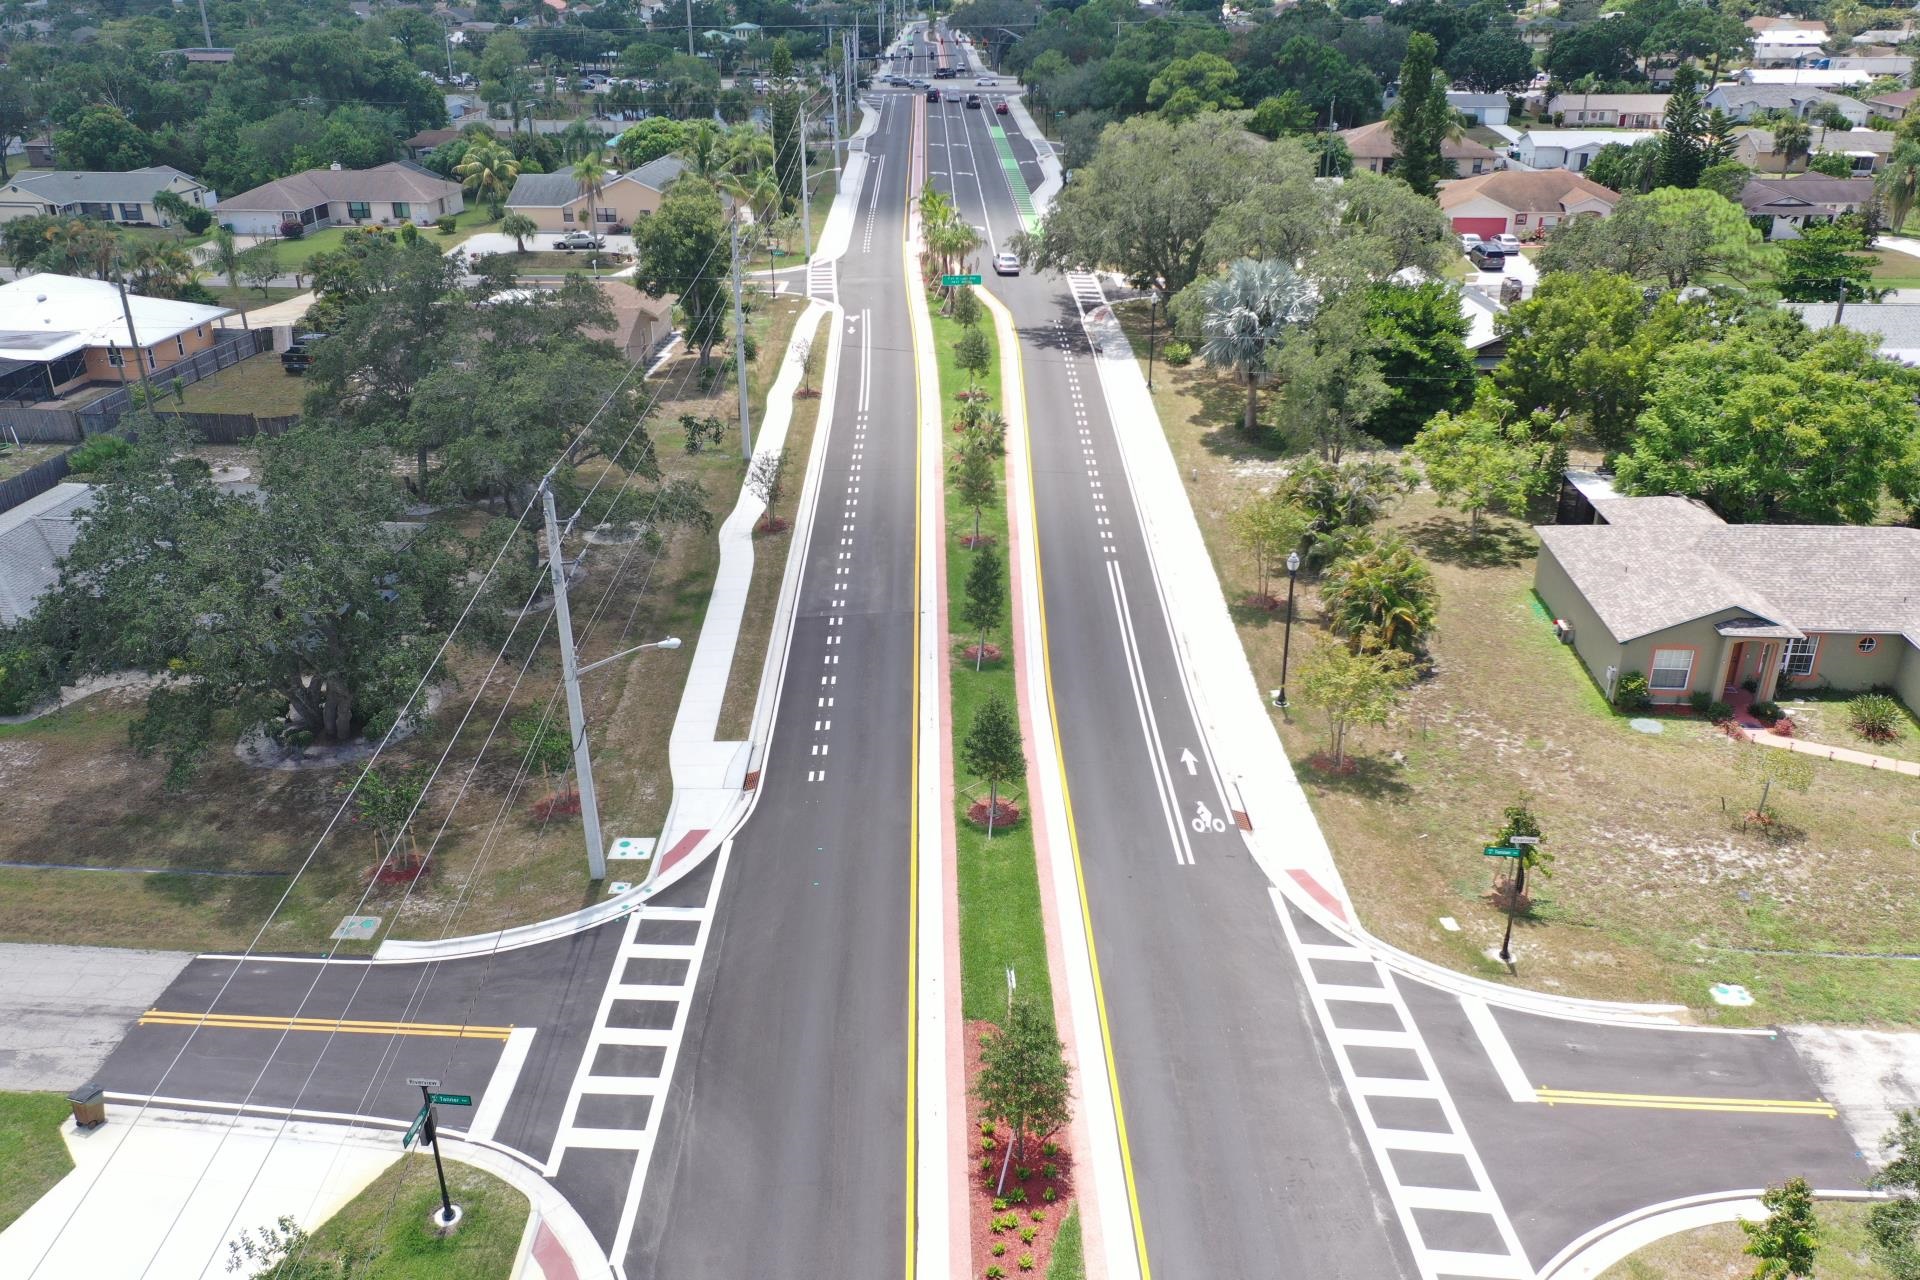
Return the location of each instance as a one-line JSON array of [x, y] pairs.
[[1321, 763], [1257, 601], [559, 804], [774, 525], [1021, 1197], [973, 653], [968, 541], [1004, 814]]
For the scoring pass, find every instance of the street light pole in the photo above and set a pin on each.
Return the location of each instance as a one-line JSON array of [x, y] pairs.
[[1153, 314], [1286, 644]]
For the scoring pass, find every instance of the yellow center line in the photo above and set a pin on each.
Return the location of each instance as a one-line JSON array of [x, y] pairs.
[[911, 274], [350, 1026], [1687, 1102]]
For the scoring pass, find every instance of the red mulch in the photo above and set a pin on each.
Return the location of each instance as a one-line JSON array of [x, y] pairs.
[[810, 393], [980, 1184], [968, 541], [972, 651], [560, 804], [1004, 814], [1325, 764], [772, 525], [403, 871], [1258, 601]]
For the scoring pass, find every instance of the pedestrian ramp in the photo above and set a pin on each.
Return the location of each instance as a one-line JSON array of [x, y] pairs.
[[1453, 1220], [1086, 290], [823, 281]]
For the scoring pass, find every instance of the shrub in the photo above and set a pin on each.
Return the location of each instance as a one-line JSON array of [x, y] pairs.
[[1049, 1170], [1875, 717], [26, 675], [1177, 352], [1049, 1195], [1630, 692], [1038, 1215], [986, 1126], [1022, 1172], [96, 453], [1028, 1233], [1018, 1195], [444, 225], [1784, 726], [1050, 1150], [291, 229], [1026, 1262], [196, 220], [999, 1205], [986, 1144], [1766, 712], [995, 1272], [999, 1249], [1719, 712], [1700, 701]]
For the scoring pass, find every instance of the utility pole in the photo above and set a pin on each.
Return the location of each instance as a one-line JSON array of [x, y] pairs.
[[806, 203], [740, 347], [133, 336], [570, 673], [689, 28], [206, 32]]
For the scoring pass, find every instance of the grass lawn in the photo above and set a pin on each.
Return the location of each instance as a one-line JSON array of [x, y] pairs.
[[1658, 889], [79, 795], [15, 458], [999, 882], [1069, 1256], [1895, 270], [162, 235], [770, 557], [825, 183], [1824, 720], [1714, 1253], [256, 385], [553, 262], [31, 1150], [246, 298], [293, 254], [389, 1221]]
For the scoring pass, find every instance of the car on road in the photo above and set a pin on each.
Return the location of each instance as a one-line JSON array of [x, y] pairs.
[[1006, 264], [933, 95], [580, 240], [1488, 257], [1468, 240], [985, 82], [1000, 108], [973, 102], [1508, 242]]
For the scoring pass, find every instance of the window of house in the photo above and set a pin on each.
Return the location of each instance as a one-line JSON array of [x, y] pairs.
[[566, 215], [608, 216], [152, 364], [130, 213], [401, 209], [1868, 644], [1672, 670], [180, 343], [115, 358], [1519, 219], [1797, 658], [359, 209]]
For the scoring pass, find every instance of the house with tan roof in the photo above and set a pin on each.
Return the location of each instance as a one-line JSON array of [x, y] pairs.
[[557, 202], [1610, 110], [385, 195], [1523, 202], [1664, 587], [1866, 150], [1789, 204], [1893, 106], [1373, 149]]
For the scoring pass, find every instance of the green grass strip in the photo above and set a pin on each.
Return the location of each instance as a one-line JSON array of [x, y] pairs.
[[1000, 921], [1069, 1258], [32, 1151]]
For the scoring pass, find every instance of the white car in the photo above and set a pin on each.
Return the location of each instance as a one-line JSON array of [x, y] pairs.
[[1508, 241], [1468, 240], [1006, 264]]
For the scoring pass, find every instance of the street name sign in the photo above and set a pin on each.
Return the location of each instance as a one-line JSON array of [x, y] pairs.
[[950, 281], [1501, 851], [423, 1082], [413, 1130], [451, 1099]]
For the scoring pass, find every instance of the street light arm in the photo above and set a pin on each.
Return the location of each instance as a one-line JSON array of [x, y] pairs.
[[671, 642]]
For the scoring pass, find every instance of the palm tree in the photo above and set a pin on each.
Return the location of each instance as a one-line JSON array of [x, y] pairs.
[[1381, 591], [226, 256], [1792, 139], [1246, 311], [748, 149], [579, 139], [1899, 183], [519, 226], [591, 173], [488, 171], [705, 151], [158, 270]]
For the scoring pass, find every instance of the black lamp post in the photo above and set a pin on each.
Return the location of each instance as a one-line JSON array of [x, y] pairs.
[[1286, 645], [1153, 317]]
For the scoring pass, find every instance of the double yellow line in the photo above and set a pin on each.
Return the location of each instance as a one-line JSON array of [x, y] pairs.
[[349, 1026], [1686, 1102]]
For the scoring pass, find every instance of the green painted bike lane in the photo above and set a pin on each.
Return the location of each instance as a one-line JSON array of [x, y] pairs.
[[1016, 181]]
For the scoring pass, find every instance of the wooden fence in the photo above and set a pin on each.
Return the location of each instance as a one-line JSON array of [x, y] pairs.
[[33, 482], [212, 428]]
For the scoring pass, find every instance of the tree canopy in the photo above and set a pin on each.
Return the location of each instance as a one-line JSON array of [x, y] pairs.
[[1672, 236]]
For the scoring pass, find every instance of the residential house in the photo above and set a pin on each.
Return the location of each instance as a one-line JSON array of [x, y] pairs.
[[641, 325], [1805, 77], [385, 195], [58, 333], [1893, 106], [1897, 65], [1764, 23], [1787, 48], [1664, 587], [1611, 110], [1481, 108], [1885, 35], [40, 152], [557, 202], [1741, 102], [1866, 149], [427, 141], [34, 537], [1373, 149], [1522, 201], [1569, 148], [1484, 341], [123, 198], [1788, 204], [1895, 325]]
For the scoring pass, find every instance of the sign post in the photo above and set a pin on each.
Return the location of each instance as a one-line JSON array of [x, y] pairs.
[[427, 1131], [1516, 884]]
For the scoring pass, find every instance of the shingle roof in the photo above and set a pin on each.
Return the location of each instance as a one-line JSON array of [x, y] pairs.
[[1899, 98], [1655, 103], [658, 173], [1895, 324], [1771, 95], [1375, 142], [395, 180], [1661, 562], [554, 190], [33, 537], [1768, 195], [1526, 190], [72, 186], [1878, 141]]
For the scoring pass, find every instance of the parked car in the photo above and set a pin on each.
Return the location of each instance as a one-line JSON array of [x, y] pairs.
[[580, 240], [1006, 264], [1000, 108], [1488, 257], [298, 357], [1508, 242], [973, 102], [1468, 240]]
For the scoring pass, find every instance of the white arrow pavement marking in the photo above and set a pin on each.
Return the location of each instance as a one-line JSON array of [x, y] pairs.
[[1188, 759]]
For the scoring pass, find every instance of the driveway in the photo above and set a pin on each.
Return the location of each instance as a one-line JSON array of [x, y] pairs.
[[1519, 266], [494, 242]]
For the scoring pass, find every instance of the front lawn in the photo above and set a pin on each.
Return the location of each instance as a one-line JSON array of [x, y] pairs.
[[256, 385], [1658, 890], [554, 262], [293, 255], [32, 1151]]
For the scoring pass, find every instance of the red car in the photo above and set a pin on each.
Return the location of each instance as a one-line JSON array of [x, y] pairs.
[[999, 108]]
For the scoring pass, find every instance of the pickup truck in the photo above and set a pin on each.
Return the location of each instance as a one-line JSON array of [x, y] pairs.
[[298, 357]]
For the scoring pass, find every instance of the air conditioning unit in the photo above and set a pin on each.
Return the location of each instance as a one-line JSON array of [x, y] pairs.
[[1564, 630]]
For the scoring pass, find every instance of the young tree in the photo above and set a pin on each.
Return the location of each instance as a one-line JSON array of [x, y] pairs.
[[520, 227], [1332, 383], [1483, 459], [1422, 118], [1382, 593], [1894, 1225], [681, 251], [1246, 311], [1786, 1240], [976, 479], [1270, 528], [993, 752], [766, 479], [1353, 687], [386, 799], [986, 599], [1024, 1082], [974, 356], [488, 172], [965, 309], [1342, 501], [1771, 767], [259, 267]]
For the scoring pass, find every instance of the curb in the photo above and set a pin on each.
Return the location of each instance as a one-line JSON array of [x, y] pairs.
[[1591, 1254]]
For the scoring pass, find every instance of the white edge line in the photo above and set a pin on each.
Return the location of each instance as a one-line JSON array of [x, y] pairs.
[[506, 1074], [1499, 1051]]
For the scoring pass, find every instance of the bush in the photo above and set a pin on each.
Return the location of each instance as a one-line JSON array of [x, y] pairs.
[[96, 453], [1049, 1195], [1700, 701], [1177, 352], [996, 1273], [999, 1249], [196, 220], [291, 229], [444, 225], [1027, 1234], [1630, 692], [1026, 1262], [1875, 717], [27, 675], [1766, 712], [1719, 712]]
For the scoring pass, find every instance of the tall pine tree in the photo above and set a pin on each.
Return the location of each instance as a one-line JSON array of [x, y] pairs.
[[1420, 121], [784, 124]]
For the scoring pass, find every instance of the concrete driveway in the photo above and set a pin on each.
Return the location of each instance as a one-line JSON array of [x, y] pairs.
[[494, 242], [1519, 266]]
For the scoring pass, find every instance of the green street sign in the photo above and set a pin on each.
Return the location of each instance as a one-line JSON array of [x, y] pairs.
[[451, 1099], [951, 281], [419, 1122], [1501, 851]]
